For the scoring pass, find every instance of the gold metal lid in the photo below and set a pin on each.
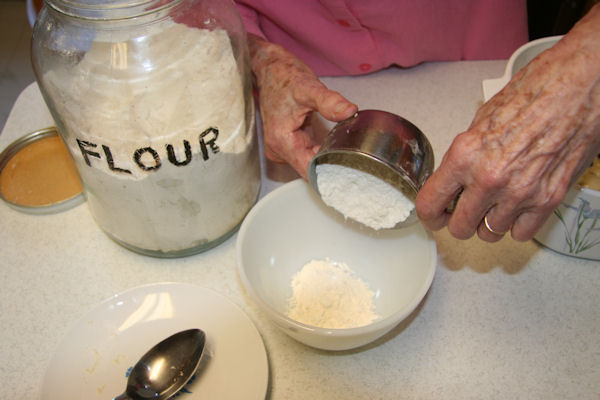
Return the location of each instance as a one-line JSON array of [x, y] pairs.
[[38, 175]]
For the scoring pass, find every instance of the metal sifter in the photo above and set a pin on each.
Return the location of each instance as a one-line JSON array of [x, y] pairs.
[[382, 144]]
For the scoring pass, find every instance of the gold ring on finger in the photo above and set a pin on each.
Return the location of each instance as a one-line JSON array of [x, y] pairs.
[[489, 228]]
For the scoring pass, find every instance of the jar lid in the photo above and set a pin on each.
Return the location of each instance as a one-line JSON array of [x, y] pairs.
[[110, 9], [38, 176]]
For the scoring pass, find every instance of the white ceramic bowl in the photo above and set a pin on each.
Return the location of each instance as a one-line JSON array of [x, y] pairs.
[[291, 226], [574, 227]]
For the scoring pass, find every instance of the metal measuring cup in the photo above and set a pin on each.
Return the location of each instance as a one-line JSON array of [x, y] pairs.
[[382, 144]]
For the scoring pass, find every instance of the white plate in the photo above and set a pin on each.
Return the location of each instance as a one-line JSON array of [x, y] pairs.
[[93, 359]]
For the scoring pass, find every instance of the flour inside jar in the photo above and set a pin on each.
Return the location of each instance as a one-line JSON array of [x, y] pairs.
[[162, 132]]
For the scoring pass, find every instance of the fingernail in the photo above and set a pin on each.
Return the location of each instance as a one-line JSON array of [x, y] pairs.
[[343, 106]]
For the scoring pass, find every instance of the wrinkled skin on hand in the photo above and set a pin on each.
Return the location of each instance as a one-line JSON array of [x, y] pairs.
[[288, 91], [525, 146]]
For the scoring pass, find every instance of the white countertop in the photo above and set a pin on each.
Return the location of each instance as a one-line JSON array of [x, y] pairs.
[[507, 320]]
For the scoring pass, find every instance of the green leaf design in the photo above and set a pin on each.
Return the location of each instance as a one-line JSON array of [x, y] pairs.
[[577, 238]]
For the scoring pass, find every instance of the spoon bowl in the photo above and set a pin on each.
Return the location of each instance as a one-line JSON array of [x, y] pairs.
[[165, 368]]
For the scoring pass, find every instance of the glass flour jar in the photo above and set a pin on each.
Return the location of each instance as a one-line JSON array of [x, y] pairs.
[[153, 99]]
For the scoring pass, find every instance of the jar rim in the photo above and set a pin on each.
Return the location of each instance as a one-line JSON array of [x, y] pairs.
[[110, 9]]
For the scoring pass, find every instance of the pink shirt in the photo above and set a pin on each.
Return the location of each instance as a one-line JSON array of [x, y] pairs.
[[352, 37]]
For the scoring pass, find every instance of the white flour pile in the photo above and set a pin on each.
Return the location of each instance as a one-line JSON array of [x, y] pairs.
[[362, 197], [327, 294], [170, 181]]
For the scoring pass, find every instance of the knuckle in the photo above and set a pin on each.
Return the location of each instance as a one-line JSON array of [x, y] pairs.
[[521, 235], [460, 232]]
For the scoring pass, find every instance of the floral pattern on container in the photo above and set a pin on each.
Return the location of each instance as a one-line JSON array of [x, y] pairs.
[[573, 229], [579, 231]]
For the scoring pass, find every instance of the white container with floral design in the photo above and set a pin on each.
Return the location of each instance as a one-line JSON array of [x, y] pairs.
[[574, 226]]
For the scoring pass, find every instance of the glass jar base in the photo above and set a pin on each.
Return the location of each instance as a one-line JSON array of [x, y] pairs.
[[178, 253]]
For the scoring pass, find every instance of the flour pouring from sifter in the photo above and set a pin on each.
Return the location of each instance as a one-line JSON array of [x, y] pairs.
[[362, 197]]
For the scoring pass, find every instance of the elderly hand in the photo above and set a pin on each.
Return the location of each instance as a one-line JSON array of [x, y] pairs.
[[288, 91], [525, 146]]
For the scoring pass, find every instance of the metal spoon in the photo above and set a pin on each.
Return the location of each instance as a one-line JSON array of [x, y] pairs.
[[165, 368]]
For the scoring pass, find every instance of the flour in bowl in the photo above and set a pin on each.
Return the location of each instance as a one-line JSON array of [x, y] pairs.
[[328, 294], [362, 197]]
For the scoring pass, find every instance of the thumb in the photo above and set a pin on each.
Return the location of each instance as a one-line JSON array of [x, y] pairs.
[[333, 106]]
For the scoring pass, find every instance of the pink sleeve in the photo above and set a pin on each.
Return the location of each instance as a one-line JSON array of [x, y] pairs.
[[250, 19]]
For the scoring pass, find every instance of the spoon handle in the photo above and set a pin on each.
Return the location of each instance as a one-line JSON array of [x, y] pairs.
[[122, 396]]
